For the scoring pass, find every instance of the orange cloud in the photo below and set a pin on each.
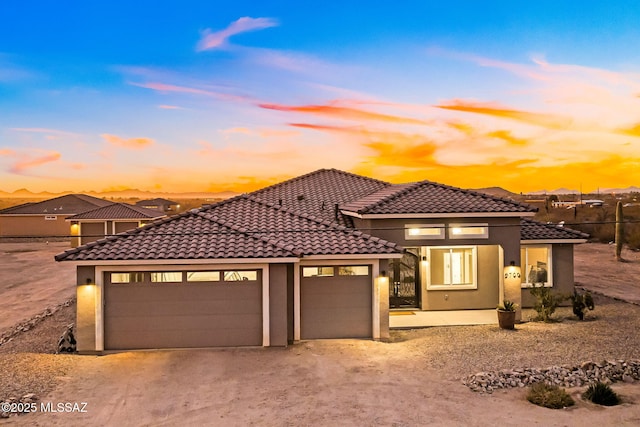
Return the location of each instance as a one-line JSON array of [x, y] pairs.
[[32, 162], [507, 136], [132, 143], [522, 175], [550, 121], [632, 131], [169, 107], [6, 152], [213, 40], [344, 113]]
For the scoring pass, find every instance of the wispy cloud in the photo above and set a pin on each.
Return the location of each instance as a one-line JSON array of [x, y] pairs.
[[345, 113], [169, 107], [631, 131], [166, 88], [131, 143], [217, 39], [28, 161], [507, 136], [550, 121], [6, 152]]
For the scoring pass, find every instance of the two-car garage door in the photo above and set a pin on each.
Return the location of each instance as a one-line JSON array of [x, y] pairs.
[[182, 309]]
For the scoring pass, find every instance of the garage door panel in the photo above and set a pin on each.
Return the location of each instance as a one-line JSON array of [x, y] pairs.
[[336, 307], [182, 315]]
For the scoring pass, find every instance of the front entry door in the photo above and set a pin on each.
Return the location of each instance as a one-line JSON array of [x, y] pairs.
[[404, 280]]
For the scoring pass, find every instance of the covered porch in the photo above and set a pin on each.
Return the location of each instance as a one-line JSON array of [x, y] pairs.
[[400, 319]]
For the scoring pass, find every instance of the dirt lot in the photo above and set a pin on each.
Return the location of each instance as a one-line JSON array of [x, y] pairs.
[[30, 280], [413, 380]]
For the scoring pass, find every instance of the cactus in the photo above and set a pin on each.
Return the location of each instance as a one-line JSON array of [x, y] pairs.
[[619, 231]]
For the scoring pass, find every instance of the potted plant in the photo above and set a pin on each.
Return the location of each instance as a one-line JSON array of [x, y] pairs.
[[507, 314]]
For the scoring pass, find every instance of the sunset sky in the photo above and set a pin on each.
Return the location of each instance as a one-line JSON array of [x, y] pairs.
[[212, 96]]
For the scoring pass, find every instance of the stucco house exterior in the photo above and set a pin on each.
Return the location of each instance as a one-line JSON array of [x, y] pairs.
[[328, 254], [95, 224], [46, 218], [159, 204]]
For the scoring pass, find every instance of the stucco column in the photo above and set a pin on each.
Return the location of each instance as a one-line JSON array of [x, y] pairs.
[[86, 292], [382, 288], [513, 287]]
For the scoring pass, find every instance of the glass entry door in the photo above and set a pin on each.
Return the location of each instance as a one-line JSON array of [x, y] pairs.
[[404, 280]]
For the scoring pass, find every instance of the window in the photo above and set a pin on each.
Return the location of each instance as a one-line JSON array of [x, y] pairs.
[[137, 277], [423, 231], [50, 218], [353, 270], [452, 268], [468, 231], [166, 277], [317, 271], [536, 265], [203, 276], [238, 276]]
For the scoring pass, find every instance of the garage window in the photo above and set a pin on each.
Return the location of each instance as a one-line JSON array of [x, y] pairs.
[[203, 276], [237, 276], [317, 272], [127, 277], [353, 270], [166, 277]]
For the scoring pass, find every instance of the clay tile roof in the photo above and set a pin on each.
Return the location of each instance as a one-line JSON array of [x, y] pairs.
[[427, 197], [318, 192], [118, 211], [242, 227], [69, 204], [534, 230]]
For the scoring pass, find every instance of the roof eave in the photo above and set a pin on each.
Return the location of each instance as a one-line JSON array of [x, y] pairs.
[[442, 215], [173, 262], [548, 241]]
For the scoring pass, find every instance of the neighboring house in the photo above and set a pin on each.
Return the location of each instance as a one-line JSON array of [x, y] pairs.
[[108, 220], [46, 218], [323, 255], [162, 205]]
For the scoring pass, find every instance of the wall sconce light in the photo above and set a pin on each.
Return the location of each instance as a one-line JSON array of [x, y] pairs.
[[89, 281]]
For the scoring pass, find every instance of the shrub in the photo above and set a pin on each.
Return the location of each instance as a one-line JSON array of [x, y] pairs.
[[601, 394], [581, 303], [508, 306], [549, 396], [546, 302]]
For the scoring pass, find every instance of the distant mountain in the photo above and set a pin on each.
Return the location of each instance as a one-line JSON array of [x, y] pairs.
[[559, 191], [631, 189], [497, 192], [119, 194]]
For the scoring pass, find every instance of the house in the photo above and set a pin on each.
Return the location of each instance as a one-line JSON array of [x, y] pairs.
[[162, 205], [328, 254], [46, 218], [98, 223]]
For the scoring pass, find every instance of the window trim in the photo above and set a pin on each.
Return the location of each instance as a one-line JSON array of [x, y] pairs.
[[523, 262], [452, 287], [409, 236], [484, 235]]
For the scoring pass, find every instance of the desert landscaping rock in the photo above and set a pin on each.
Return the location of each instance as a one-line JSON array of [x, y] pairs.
[[565, 376], [27, 325]]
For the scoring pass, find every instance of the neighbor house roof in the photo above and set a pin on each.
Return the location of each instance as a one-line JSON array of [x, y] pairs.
[[116, 211], [69, 204], [317, 193], [427, 197], [242, 227], [537, 231]]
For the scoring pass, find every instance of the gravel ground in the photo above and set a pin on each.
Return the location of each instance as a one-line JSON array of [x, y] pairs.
[[609, 332], [28, 362]]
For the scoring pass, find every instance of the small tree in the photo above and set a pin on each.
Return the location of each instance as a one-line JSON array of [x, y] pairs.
[[546, 301]]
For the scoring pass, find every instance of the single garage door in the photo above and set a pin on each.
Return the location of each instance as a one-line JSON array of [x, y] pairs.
[[91, 231], [182, 309], [336, 302]]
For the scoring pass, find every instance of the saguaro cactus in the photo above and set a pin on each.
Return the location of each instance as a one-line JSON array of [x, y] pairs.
[[619, 231]]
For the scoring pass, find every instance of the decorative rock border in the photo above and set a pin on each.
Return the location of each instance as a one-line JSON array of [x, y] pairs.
[[29, 324], [14, 406], [564, 376]]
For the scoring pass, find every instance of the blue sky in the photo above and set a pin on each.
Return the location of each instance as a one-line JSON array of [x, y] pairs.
[[204, 96]]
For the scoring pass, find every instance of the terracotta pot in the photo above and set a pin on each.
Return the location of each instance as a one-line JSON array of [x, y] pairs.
[[506, 319]]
